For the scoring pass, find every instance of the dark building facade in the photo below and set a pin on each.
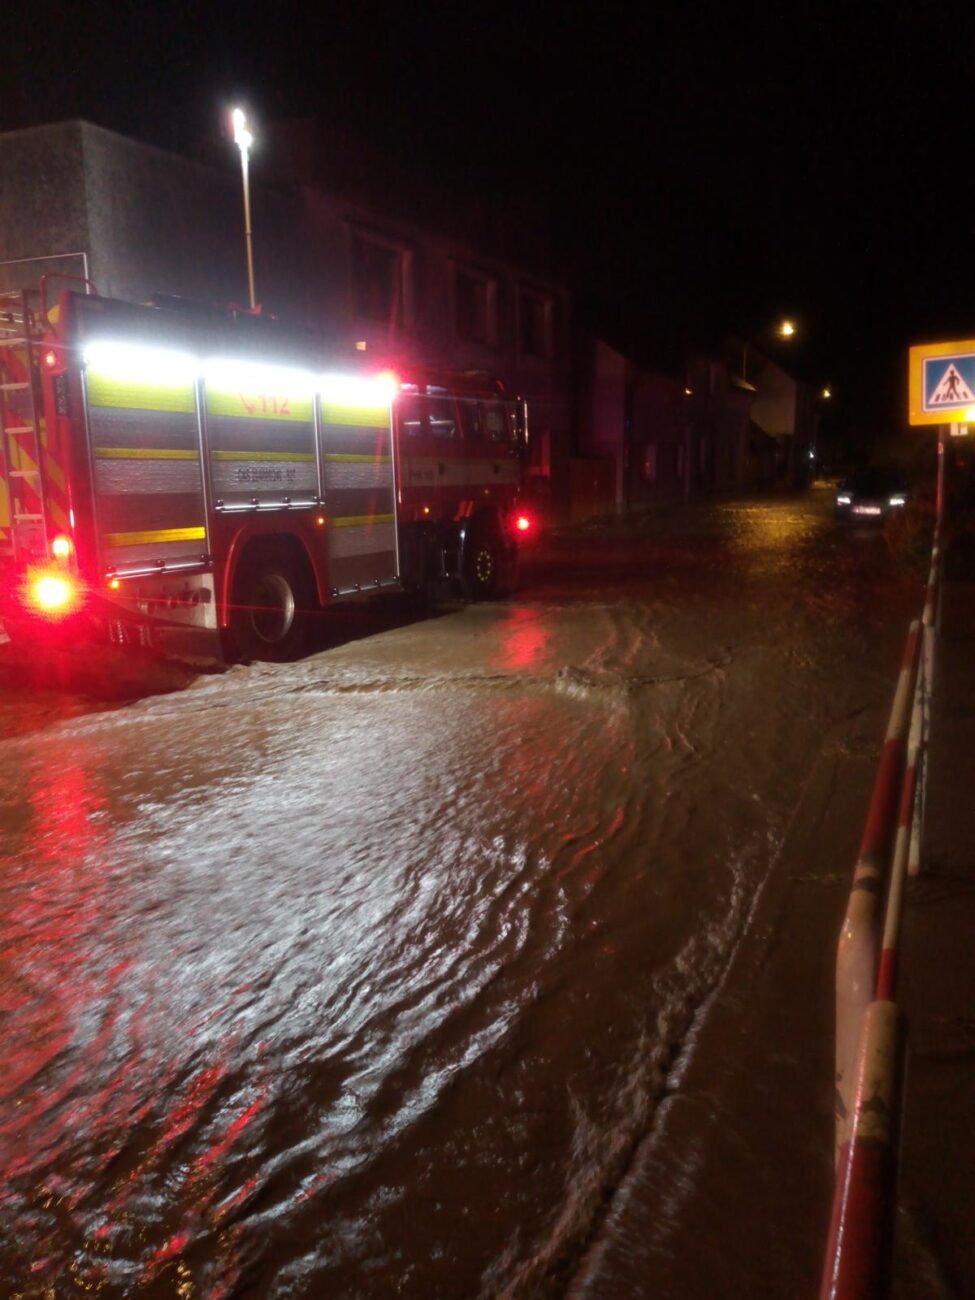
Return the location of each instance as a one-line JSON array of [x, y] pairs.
[[391, 265], [385, 274]]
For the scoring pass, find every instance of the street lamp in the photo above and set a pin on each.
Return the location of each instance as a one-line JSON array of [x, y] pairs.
[[827, 392], [785, 329], [243, 140]]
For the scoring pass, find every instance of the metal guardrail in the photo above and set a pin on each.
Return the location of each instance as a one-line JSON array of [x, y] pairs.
[[869, 1025], [858, 948]]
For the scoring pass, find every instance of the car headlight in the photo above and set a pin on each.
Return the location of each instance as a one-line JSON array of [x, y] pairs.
[[842, 501], [897, 501]]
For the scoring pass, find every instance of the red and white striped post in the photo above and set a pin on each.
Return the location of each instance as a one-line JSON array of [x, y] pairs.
[[929, 622], [925, 681], [863, 1200], [887, 970], [860, 1225], [857, 951]]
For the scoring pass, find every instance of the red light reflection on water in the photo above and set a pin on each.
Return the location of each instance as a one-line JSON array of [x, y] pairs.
[[98, 1112], [53, 908], [524, 640], [201, 1209]]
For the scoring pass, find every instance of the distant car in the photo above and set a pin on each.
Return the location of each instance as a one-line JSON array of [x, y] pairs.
[[871, 494]]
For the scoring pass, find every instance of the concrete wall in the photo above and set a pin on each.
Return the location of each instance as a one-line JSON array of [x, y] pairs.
[[163, 224], [774, 407], [784, 409], [43, 208], [146, 221]]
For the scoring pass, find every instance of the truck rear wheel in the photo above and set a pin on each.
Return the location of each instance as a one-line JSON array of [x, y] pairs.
[[270, 612], [483, 576]]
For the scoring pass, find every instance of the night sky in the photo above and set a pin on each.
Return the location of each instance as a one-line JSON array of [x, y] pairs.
[[706, 168]]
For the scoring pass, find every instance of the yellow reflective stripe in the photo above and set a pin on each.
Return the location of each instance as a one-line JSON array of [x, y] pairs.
[[156, 535], [53, 471], [144, 453], [57, 515], [367, 417], [166, 453], [19, 457], [351, 458], [130, 395], [264, 455], [248, 405], [355, 521]]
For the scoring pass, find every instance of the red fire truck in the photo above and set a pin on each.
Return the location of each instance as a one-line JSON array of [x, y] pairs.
[[199, 482]]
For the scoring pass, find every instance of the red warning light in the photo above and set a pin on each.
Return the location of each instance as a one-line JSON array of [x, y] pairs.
[[53, 594], [522, 523], [50, 359], [61, 547]]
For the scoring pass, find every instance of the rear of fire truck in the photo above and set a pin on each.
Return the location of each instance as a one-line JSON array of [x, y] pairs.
[[39, 594], [166, 478], [198, 484]]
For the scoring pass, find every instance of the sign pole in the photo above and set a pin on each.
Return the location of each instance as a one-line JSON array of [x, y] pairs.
[[940, 496]]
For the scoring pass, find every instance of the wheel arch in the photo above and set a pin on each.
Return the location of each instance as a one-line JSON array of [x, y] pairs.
[[487, 518], [488, 525], [253, 543]]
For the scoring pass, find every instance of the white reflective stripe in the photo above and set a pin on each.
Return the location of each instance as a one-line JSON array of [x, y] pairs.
[[344, 474], [361, 539], [428, 472], [147, 476]]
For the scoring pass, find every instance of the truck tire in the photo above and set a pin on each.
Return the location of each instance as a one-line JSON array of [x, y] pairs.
[[483, 577], [269, 621]]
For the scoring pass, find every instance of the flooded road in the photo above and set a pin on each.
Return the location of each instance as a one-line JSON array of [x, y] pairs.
[[362, 976]]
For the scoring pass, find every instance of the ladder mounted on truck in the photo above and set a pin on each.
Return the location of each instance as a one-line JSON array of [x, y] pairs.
[[23, 523]]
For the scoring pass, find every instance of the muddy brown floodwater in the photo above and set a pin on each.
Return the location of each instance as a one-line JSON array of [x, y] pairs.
[[362, 976]]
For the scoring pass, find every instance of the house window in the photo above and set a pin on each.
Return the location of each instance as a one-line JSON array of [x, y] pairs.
[[475, 308], [534, 324], [377, 280]]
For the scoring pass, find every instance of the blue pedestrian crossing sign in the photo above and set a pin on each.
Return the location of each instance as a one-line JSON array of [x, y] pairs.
[[942, 383]]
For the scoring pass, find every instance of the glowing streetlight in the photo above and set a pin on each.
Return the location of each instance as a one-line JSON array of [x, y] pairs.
[[827, 392], [243, 140], [785, 329]]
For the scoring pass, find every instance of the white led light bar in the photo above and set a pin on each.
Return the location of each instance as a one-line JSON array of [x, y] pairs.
[[137, 364]]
